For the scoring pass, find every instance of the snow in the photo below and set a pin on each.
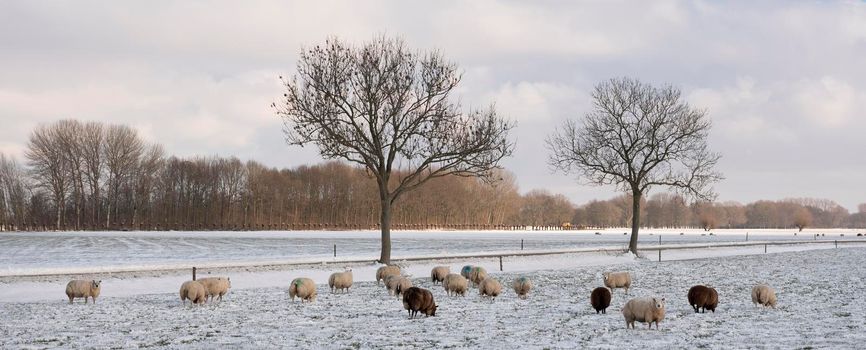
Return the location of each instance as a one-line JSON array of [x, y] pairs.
[[818, 291], [40, 253]]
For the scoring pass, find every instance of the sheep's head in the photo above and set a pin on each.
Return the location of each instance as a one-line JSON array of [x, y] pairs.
[[95, 284], [466, 269], [606, 276], [659, 303], [229, 282], [432, 310]]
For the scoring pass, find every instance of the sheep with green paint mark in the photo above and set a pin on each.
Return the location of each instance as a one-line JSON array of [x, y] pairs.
[[303, 288], [521, 286], [477, 275]]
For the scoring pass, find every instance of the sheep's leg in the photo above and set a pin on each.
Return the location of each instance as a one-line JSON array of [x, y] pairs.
[[70, 299]]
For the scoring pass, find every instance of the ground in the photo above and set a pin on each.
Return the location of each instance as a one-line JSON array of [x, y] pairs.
[[818, 291]]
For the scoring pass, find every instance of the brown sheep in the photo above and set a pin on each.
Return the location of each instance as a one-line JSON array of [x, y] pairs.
[[418, 299], [600, 299], [703, 298]]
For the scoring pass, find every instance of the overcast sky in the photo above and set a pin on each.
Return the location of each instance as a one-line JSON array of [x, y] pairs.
[[783, 81]]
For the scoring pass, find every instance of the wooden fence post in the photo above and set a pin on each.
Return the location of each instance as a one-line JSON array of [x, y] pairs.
[[193, 273]]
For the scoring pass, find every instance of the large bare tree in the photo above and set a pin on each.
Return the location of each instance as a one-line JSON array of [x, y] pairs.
[[389, 108], [635, 137]]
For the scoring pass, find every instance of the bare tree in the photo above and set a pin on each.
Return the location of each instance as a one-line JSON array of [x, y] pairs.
[[386, 108], [48, 166], [638, 136], [123, 148], [92, 144]]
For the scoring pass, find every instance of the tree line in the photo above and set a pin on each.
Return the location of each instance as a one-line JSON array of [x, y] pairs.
[[92, 176], [667, 210]]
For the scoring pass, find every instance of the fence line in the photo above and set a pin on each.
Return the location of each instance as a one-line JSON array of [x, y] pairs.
[[491, 255]]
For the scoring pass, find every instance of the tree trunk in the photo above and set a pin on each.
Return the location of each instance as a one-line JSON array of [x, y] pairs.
[[385, 224], [635, 221]]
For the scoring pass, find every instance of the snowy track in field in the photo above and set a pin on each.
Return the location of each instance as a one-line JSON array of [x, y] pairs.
[[818, 291]]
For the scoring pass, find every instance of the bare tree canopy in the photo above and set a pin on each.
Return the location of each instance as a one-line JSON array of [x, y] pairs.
[[638, 136], [386, 107]]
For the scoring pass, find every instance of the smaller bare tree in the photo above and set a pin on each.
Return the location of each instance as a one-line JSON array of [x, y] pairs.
[[802, 218], [638, 136]]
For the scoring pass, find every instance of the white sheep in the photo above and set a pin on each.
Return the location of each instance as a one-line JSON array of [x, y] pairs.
[[764, 296], [340, 281], [402, 285], [617, 280], [392, 282], [216, 286], [647, 310], [521, 286], [438, 273], [490, 287], [195, 291], [477, 275], [83, 289], [456, 284], [386, 271], [303, 288]]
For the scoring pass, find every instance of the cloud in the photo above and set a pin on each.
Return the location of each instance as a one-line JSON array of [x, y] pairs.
[[782, 81]]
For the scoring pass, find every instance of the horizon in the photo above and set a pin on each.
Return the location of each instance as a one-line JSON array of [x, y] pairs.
[[780, 80]]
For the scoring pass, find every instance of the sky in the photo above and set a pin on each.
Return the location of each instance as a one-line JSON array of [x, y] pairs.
[[783, 82]]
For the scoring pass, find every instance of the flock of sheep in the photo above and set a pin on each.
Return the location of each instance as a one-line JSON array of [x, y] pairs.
[[416, 299]]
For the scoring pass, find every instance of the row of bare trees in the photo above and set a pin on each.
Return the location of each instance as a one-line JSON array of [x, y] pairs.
[[91, 176], [666, 210]]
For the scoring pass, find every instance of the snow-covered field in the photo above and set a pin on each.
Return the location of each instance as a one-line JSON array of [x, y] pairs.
[[819, 295], [86, 252]]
